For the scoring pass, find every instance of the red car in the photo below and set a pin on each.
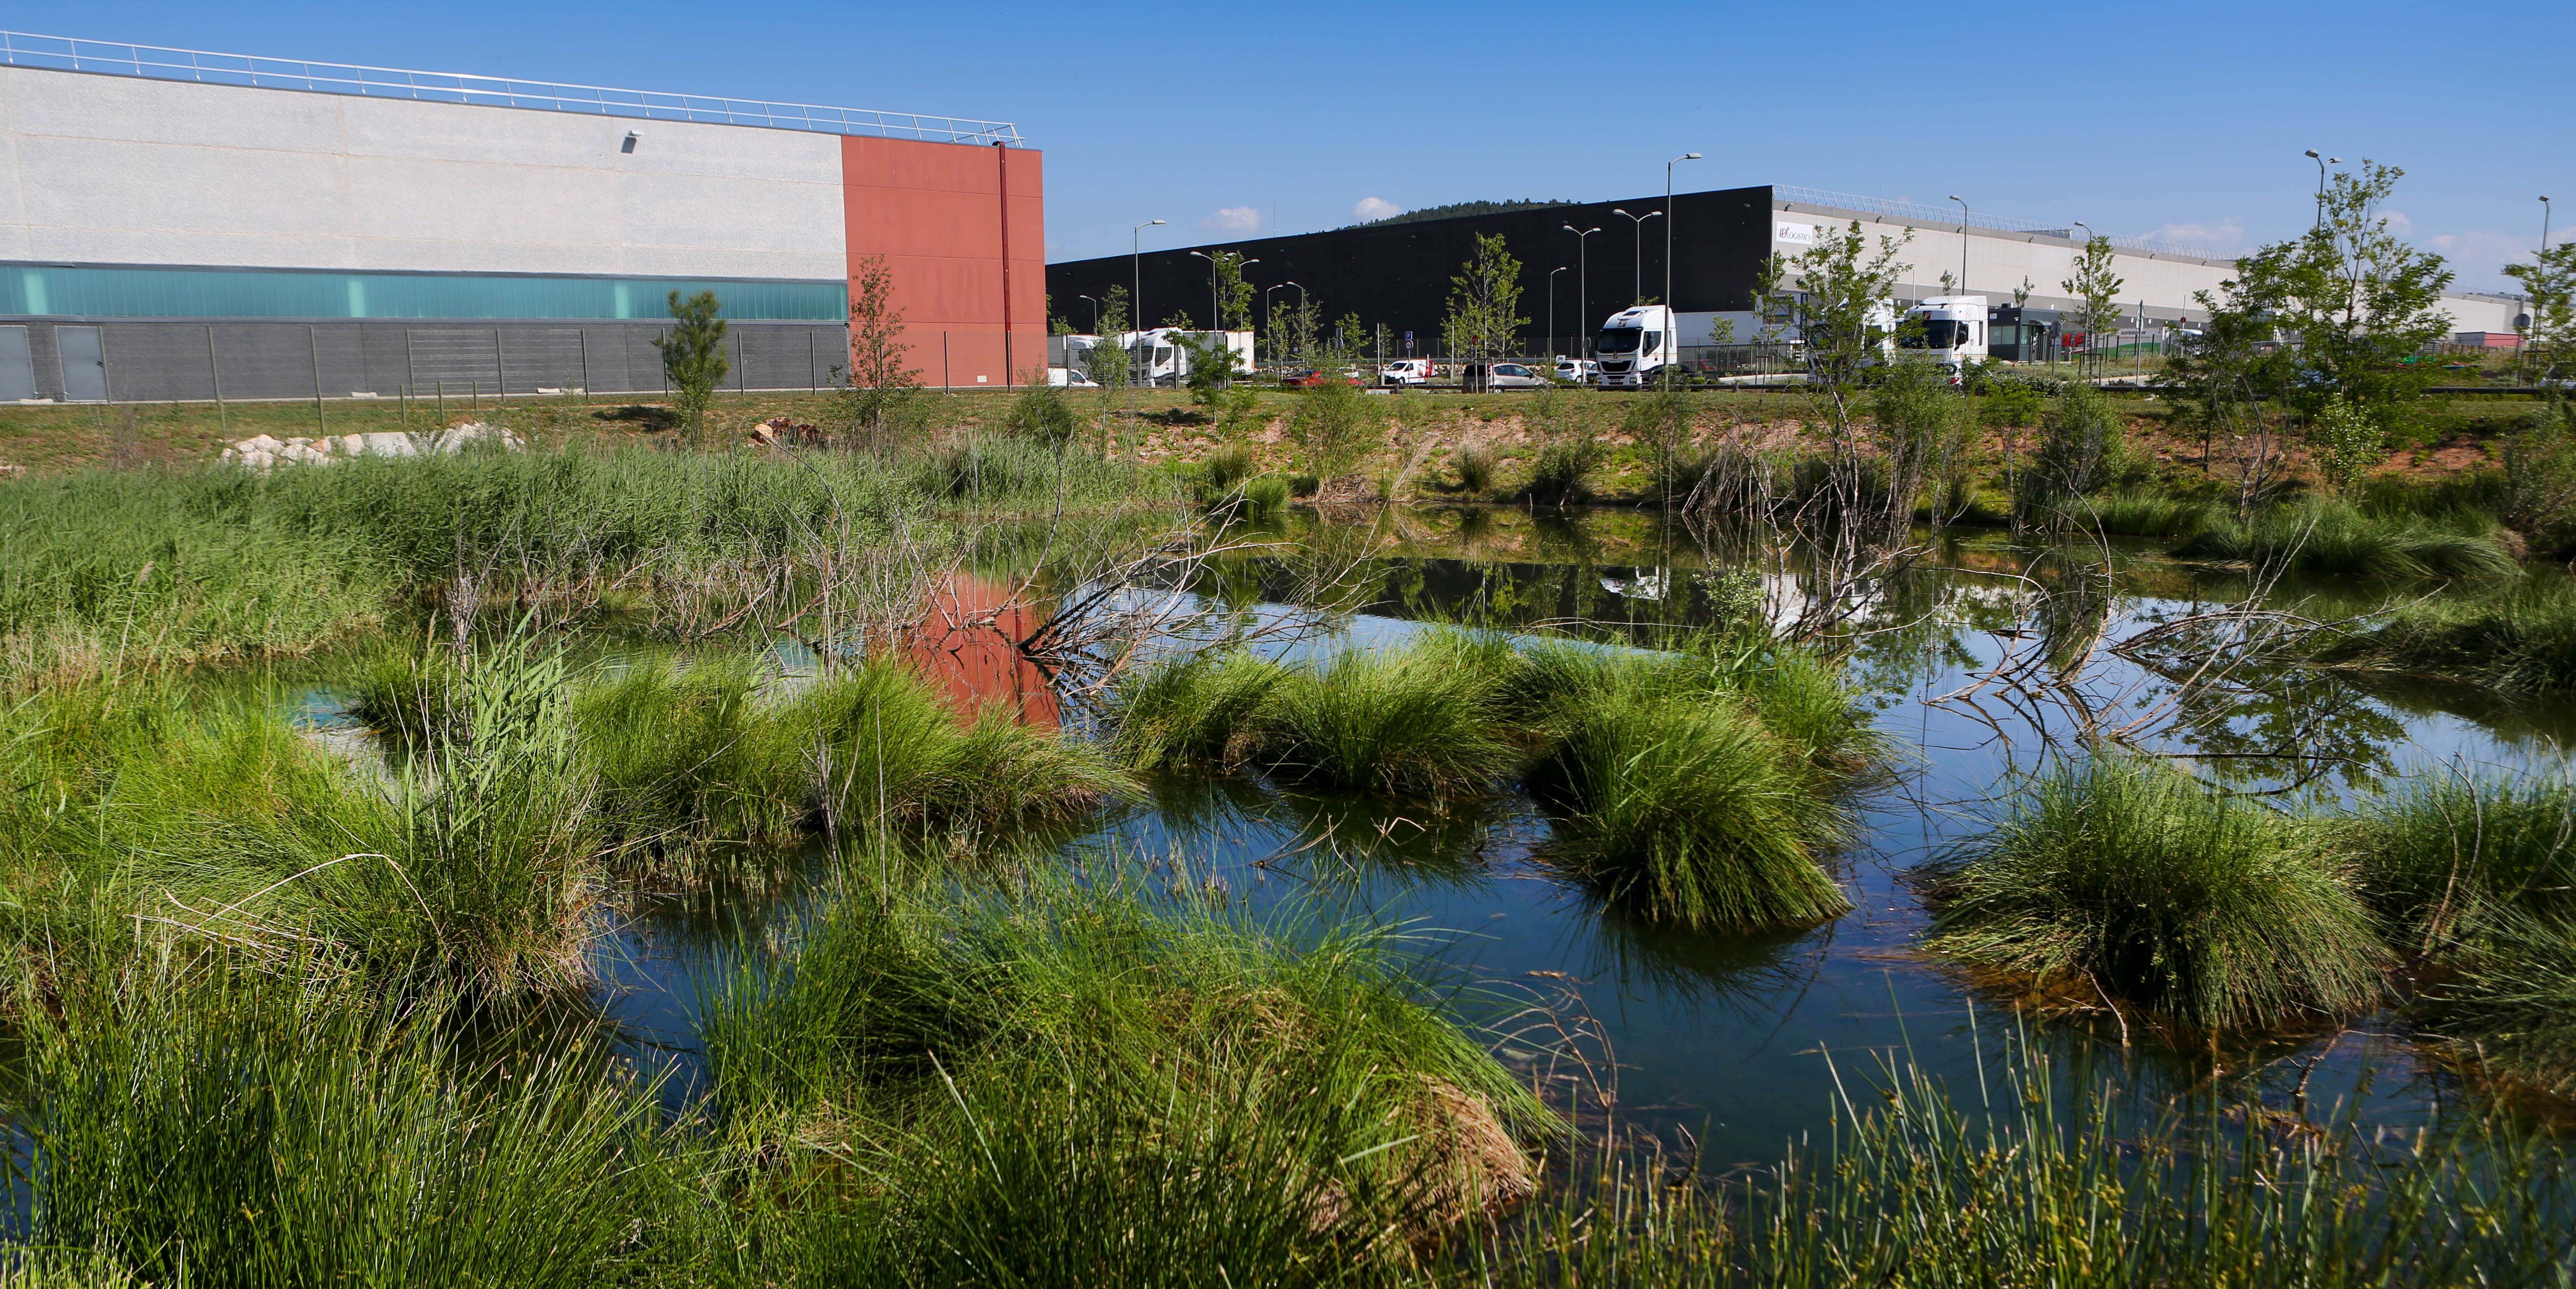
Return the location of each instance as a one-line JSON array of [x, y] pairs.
[[1310, 376]]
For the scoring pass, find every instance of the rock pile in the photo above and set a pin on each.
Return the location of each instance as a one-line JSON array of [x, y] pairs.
[[264, 452]]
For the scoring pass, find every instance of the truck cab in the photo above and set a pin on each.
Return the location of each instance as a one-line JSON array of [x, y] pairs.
[[1950, 330], [1635, 344]]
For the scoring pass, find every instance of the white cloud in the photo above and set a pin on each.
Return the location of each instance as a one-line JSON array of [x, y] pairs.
[[1233, 219], [2226, 236], [1369, 208], [2479, 258]]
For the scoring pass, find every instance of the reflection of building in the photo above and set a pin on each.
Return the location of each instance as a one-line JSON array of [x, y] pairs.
[[968, 646], [1396, 274], [175, 225]]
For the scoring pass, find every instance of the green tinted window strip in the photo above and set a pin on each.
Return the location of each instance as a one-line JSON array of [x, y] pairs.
[[80, 292]]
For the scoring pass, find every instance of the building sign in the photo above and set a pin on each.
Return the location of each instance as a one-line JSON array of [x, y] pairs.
[[1794, 234]]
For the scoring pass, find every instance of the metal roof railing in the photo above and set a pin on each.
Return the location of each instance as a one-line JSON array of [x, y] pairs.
[[154, 62], [1936, 216]]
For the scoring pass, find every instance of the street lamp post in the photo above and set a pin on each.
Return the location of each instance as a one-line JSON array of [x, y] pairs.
[[1963, 243], [1212, 314], [2322, 162], [2544, 225], [1551, 309], [1095, 312], [1136, 269], [1668, 237], [1582, 269], [1638, 291]]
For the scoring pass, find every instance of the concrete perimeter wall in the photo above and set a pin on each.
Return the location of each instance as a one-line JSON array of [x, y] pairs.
[[99, 169]]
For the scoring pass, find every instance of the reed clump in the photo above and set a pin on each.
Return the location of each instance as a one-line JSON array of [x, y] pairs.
[[1073, 1084], [2518, 639], [1675, 795], [2475, 881], [2329, 535], [222, 1127], [473, 864], [104, 571], [2059, 1176], [1701, 786], [2134, 881]]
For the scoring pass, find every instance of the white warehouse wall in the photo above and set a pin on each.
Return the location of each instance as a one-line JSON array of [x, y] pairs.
[[1999, 261], [98, 169]]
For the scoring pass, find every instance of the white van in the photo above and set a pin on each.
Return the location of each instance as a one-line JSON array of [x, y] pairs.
[[1405, 371]]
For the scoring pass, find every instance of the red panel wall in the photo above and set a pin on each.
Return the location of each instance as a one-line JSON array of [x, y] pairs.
[[936, 212]]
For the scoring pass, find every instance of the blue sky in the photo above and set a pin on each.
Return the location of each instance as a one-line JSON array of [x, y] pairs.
[[2184, 120]]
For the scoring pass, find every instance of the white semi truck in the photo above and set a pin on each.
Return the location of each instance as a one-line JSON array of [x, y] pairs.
[[1637, 343], [1947, 329]]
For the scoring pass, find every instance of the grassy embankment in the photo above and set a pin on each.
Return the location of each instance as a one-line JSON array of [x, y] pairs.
[[103, 571], [1701, 787], [1073, 1087]]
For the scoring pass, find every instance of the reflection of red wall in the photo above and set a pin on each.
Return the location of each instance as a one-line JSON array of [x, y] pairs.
[[976, 662], [935, 212]]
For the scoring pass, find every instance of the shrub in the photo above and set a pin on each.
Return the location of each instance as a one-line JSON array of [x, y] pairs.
[[1334, 427], [2134, 879], [1559, 471], [1042, 415]]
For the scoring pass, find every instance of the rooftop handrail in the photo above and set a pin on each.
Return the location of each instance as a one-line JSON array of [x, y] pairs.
[[1936, 216], [156, 62]]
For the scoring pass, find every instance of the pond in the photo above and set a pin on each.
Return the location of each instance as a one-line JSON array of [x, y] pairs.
[[1985, 662]]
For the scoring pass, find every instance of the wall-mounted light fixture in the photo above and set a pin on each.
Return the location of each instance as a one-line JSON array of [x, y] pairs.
[[632, 138]]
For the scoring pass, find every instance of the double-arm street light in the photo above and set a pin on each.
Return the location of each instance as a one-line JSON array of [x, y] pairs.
[[1638, 291], [1668, 234], [2322, 163], [1582, 271], [1136, 270], [1216, 319]]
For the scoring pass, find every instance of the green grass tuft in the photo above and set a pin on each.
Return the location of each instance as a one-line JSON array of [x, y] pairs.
[[2519, 639], [2134, 879], [1082, 1085], [2325, 535], [237, 1130]]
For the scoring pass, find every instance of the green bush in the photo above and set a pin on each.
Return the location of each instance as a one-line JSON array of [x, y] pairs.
[[2321, 535]]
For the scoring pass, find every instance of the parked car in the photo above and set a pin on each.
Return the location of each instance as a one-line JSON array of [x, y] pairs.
[[1501, 376], [1405, 371], [1580, 371], [1310, 376]]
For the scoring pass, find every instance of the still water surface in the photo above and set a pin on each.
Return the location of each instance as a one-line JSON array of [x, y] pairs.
[[1728, 1038]]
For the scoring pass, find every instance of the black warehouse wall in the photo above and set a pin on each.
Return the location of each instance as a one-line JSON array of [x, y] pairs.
[[1398, 274]]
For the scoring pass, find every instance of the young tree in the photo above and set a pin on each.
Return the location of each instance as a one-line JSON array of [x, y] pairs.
[[1484, 303], [1848, 292], [2549, 343], [2229, 380], [1109, 361], [2099, 288], [1233, 294], [2360, 303], [693, 358], [881, 384]]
